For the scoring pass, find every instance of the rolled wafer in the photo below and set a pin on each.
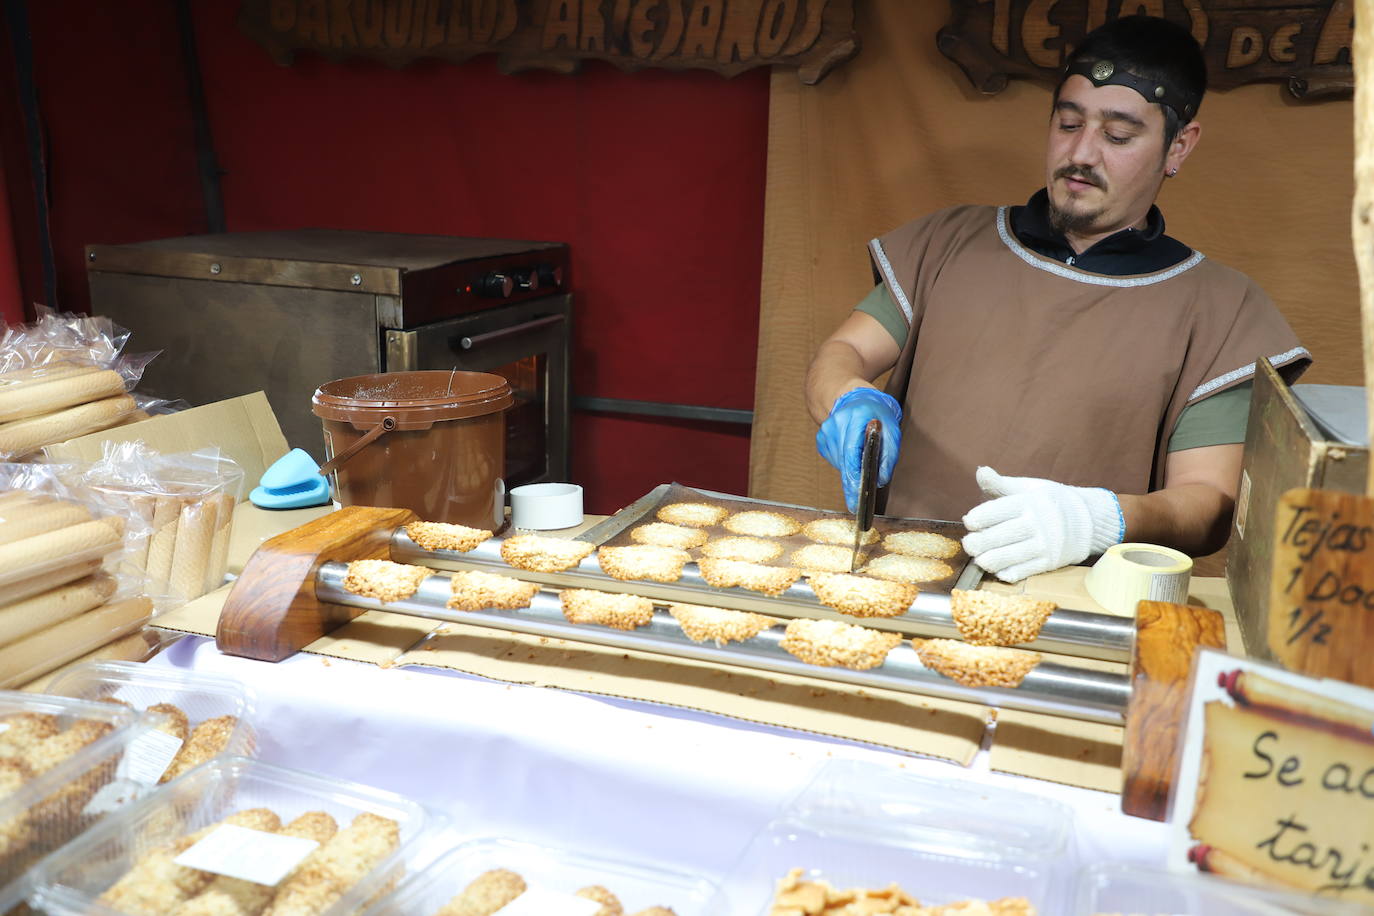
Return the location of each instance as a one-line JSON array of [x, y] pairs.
[[47, 395], [219, 544], [191, 549], [39, 653], [24, 436], [36, 555], [40, 375], [16, 495], [24, 503], [161, 545], [137, 416], [132, 648], [48, 517], [17, 501], [52, 607], [37, 585], [134, 562]]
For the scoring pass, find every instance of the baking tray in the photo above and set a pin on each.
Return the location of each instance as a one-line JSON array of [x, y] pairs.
[[928, 616], [615, 531]]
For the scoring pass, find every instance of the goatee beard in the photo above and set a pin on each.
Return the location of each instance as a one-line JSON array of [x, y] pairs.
[[1064, 221]]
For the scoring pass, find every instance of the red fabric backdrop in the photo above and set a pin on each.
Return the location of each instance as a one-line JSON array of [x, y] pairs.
[[656, 180]]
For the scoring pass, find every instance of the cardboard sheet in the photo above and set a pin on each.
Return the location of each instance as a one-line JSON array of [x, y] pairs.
[[243, 428], [919, 725]]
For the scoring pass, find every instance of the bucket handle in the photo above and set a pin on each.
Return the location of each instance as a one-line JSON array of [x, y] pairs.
[[332, 465]]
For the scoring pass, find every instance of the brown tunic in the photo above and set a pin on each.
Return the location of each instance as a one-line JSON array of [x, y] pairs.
[[1038, 369]]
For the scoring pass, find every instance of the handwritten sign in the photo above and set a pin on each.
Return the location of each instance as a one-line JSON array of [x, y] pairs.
[[727, 36], [1277, 781], [1321, 604], [1306, 44]]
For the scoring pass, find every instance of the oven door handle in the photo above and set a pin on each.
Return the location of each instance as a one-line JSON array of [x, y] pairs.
[[467, 343]]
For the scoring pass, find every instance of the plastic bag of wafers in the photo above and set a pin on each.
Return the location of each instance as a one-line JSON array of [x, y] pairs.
[[64, 376], [57, 601], [179, 510], [56, 336], [48, 534]]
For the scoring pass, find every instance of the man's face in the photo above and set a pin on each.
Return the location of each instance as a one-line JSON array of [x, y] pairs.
[[1105, 159]]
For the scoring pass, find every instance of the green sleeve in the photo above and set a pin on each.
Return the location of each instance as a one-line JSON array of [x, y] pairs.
[[880, 305], [1218, 420]]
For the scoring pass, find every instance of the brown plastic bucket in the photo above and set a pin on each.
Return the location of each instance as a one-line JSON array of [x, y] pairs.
[[432, 442]]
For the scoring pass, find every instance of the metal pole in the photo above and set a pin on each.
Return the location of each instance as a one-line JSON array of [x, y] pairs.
[[1066, 632], [1049, 688]]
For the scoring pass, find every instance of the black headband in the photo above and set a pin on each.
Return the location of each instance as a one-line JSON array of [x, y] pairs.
[[1105, 73]]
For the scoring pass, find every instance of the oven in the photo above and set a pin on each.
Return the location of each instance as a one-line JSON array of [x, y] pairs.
[[285, 312], [526, 343]]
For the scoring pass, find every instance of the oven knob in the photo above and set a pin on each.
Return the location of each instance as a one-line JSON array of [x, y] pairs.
[[550, 274], [527, 280], [496, 285]]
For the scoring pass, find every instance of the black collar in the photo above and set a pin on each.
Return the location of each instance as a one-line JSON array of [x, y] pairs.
[[1130, 251]]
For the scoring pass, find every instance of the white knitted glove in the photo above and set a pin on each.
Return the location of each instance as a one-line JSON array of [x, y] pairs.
[[1029, 525]]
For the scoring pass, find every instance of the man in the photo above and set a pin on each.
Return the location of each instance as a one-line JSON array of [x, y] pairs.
[[1099, 365]]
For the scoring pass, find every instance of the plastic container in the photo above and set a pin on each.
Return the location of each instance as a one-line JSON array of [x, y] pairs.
[[45, 811], [1130, 889], [637, 885], [868, 826], [69, 882], [433, 442], [200, 696]]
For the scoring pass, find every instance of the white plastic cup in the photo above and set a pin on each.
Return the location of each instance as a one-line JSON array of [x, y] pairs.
[[546, 506]]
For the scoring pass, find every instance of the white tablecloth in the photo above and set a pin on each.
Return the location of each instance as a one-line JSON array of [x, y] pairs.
[[616, 777]]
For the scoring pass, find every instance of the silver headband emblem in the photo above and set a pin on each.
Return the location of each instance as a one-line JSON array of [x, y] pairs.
[[1102, 70]]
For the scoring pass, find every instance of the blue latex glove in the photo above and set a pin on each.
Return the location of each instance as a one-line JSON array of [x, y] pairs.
[[840, 440]]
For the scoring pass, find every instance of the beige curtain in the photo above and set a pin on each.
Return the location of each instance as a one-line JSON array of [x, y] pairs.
[[899, 131]]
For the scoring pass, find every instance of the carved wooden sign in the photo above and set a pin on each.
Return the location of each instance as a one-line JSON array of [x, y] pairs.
[[1321, 604], [1307, 44], [727, 36]]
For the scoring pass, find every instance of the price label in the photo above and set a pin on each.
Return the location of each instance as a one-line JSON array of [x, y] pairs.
[[252, 855], [538, 901], [1321, 602]]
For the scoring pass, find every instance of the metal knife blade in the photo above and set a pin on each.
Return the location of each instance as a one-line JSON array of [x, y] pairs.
[[868, 488]]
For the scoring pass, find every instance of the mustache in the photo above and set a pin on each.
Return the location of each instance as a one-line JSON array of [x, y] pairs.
[[1082, 173]]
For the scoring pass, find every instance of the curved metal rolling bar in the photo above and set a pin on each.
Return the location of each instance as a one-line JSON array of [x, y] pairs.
[[1050, 688], [1066, 632]]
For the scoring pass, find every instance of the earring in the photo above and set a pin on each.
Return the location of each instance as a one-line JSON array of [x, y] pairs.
[[1171, 173]]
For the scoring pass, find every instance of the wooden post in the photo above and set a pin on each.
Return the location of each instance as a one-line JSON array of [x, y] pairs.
[[1362, 216], [1166, 641], [272, 612]]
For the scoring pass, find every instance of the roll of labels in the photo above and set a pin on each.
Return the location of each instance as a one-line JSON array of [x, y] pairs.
[[1130, 573]]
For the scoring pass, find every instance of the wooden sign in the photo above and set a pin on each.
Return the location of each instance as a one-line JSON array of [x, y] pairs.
[[1321, 604], [1307, 44], [727, 36], [1277, 781]]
